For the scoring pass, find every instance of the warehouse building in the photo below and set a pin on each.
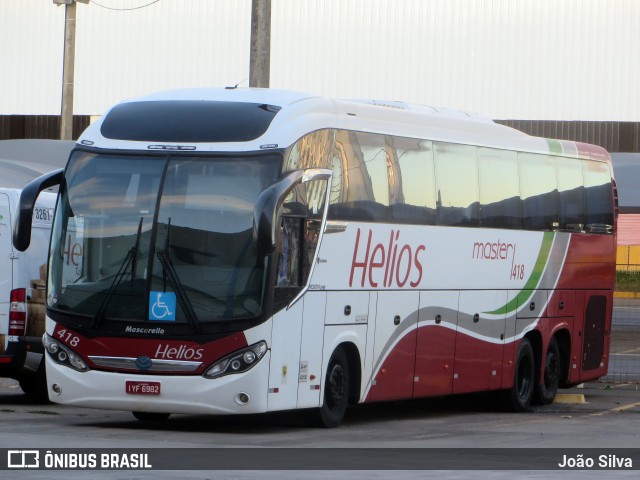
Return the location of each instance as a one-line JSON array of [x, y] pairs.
[[555, 68]]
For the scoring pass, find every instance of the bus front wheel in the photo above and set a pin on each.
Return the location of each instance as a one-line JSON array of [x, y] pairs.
[[336, 392], [35, 385]]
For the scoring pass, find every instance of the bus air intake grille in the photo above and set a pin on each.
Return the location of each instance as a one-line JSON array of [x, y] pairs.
[[129, 363]]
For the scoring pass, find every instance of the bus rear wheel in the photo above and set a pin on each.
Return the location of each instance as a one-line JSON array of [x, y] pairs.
[[336, 393], [151, 416], [518, 397], [546, 391]]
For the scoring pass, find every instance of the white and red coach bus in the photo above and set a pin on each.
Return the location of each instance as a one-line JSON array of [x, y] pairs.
[[233, 251]]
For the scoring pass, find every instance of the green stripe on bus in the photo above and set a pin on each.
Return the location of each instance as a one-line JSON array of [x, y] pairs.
[[554, 146], [534, 278]]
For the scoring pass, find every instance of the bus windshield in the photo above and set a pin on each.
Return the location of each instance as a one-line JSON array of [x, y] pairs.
[[142, 238]]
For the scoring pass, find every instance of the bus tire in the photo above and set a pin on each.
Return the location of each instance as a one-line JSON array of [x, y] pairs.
[[336, 392], [26, 384], [545, 392], [518, 397], [151, 416], [35, 385]]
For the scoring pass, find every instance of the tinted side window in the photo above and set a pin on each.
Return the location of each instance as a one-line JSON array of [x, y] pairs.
[[311, 151], [376, 163], [499, 188], [456, 184], [360, 188], [571, 192], [598, 196], [539, 191], [418, 202]]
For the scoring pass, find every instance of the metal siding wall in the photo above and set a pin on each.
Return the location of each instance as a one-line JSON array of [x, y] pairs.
[[170, 44], [38, 126], [525, 59], [536, 59], [31, 50], [613, 136]]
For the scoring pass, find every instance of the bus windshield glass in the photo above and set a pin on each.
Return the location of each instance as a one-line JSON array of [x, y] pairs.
[[158, 238]]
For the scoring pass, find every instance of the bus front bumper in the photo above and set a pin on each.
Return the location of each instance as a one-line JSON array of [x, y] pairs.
[[192, 394]]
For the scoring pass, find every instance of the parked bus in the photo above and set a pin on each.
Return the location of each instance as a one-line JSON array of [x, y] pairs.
[[233, 251]]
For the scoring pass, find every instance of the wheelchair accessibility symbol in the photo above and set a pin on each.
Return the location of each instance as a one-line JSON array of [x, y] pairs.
[[162, 306]]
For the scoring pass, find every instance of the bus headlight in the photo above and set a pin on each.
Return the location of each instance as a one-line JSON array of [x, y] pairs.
[[238, 362], [62, 354]]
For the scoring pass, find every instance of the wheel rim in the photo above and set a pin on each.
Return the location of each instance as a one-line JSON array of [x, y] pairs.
[[336, 387]]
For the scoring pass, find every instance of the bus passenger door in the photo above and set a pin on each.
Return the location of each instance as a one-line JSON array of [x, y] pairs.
[[298, 322], [394, 345], [310, 373], [479, 341], [286, 336], [436, 343]]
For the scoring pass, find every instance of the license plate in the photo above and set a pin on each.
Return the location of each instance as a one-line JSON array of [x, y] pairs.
[[142, 388]]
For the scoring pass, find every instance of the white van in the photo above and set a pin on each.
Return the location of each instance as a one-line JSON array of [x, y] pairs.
[[22, 294], [23, 274]]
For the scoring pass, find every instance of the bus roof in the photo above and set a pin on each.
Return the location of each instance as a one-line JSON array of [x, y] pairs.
[[248, 119]]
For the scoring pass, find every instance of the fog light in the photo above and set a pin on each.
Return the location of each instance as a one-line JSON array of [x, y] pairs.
[[242, 398], [56, 389]]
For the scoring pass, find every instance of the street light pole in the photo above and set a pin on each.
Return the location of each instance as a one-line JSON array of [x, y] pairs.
[[66, 121], [259, 55]]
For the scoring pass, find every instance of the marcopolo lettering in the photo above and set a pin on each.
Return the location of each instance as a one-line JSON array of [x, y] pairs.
[[392, 264], [493, 250], [500, 251]]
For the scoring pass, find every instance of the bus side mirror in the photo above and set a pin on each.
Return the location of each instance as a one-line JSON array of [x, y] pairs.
[[28, 196], [265, 214]]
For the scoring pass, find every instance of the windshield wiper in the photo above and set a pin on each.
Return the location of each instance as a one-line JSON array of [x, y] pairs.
[[130, 258], [134, 253], [169, 272]]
